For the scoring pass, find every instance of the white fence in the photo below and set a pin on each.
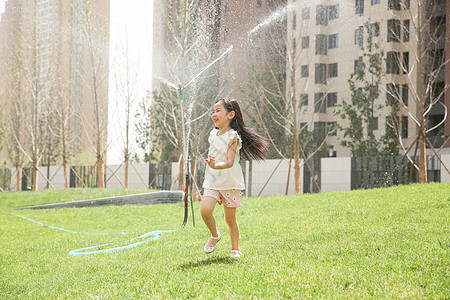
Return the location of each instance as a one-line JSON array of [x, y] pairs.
[[264, 178]]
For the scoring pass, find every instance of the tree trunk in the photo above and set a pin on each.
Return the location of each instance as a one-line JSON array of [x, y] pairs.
[[422, 157], [422, 98], [126, 172], [18, 171], [181, 173], [66, 173], [296, 162], [64, 160], [194, 179], [35, 178], [295, 124], [100, 183]]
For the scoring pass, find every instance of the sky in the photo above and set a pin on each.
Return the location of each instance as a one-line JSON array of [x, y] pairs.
[[131, 23], [2, 6]]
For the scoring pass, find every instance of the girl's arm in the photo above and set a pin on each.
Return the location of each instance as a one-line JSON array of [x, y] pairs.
[[231, 153]]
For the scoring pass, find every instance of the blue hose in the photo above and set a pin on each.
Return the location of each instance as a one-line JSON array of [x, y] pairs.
[[82, 251], [155, 235]]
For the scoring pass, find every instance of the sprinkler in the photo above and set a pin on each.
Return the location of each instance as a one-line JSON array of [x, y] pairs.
[[186, 160], [185, 142]]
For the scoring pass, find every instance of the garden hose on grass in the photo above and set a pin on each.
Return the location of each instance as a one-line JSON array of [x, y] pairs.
[[83, 251]]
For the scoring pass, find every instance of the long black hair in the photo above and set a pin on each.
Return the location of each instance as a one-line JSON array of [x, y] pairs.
[[254, 146]]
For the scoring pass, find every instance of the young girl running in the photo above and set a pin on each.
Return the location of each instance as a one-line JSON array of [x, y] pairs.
[[228, 141]]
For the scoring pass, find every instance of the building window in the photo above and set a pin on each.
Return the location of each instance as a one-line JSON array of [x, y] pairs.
[[359, 7], [392, 62], [375, 123], [405, 65], [321, 44], [303, 126], [333, 41], [393, 30], [321, 15], [227, 9], [304, 100], [332, 128], [374, 91], [358, 63], [305, 42], [320, 74], [259, 3], [358, 93], [333, 12], [405, 93], [407, 4], [394, 4], [406, 31], [320, 129], [306, 13], [225, 34], [319, 103], [392, 91], [304, 71], [333, 70], [373, 2], [331, 99], [375, 29], [404, 127], [359, 36]]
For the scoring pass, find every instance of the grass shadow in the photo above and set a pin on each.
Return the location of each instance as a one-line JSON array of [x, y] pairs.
[[208, 261]]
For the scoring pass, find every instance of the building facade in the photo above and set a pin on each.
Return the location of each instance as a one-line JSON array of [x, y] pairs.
[[54, 60], [327, 37]]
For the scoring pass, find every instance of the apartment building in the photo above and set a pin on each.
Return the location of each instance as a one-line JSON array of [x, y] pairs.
[[326, 37], [47, 71]]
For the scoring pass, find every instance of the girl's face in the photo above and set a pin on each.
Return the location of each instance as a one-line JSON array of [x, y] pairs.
[[221, 117]]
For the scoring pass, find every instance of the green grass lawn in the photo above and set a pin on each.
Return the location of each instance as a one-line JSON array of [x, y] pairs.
[[382, 243]]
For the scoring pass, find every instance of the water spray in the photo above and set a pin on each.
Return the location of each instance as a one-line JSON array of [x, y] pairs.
[[208, 66], [276, 15], [186, 142]]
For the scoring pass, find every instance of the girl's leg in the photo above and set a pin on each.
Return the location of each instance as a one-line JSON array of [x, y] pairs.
[[207, 209], [230, 218]]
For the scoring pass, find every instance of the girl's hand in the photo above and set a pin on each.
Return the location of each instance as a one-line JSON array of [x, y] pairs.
[[233, 142], [211, 161], [231, 153]]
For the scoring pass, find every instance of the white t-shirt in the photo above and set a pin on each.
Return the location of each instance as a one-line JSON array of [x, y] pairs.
[[223, 179]]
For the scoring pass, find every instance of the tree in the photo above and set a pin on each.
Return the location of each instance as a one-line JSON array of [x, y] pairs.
[[126, 90], [421, 64], [15, 127], [187, 48], [94, 32], [274, 83], [2, 128], [365, 107], [31, 84]]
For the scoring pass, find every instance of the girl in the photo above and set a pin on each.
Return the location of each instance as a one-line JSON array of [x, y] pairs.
[[223, 175]]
